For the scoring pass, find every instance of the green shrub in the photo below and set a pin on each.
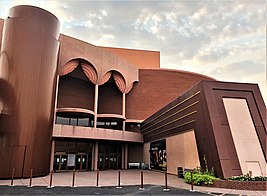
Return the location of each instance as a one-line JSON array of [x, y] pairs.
[[247, 178], [199, 178]]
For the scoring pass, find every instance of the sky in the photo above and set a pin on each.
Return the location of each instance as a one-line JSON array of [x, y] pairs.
[[223, 39]]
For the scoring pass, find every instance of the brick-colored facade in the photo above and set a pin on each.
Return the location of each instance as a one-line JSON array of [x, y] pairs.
[[156, 88], [241, 185], [66, 99]]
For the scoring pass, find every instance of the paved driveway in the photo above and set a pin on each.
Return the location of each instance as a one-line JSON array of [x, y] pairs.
[[128, 178], [127, 190]]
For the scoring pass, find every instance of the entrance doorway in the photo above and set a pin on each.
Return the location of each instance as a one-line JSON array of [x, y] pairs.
[[109, 156], [81, 162], [72, 154], [60, 162]]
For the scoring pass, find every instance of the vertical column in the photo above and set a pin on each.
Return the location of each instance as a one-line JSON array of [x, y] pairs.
[[93, 158], [123, 109], [95, 105], [126, 156], [96, 155], [52, 155], [56, 96], [122, 157], [54, 122]]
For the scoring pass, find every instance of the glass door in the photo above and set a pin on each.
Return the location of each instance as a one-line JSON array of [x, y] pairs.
[[81, 162], [113, 160], [109, 156], [63, 162], [101, 162], [60, 162], [56, 162]]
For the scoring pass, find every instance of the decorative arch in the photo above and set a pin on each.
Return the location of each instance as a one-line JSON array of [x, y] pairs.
[[105, 78], [87, 68], [118, 78], [120, 81], [129, 88], [90, 72], [69, 67], [102, 60]]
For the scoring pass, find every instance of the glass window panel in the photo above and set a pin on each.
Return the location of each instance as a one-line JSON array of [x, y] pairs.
[[62, 120], [83, 122], [73, 121]]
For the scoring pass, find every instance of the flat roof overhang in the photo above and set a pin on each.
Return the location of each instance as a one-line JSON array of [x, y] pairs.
[[69, 112], [133, 121], [111, 116]]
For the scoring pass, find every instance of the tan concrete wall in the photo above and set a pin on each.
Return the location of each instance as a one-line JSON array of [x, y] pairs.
[[249, 152], [146, 153], [95, 133], [144, 59], [182, 152]]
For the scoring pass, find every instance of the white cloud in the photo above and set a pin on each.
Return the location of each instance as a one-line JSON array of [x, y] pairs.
[[202, 36], [240, 69], [103, 12]]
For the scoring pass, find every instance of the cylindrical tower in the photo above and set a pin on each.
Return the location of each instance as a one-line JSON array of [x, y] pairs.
[[28, 65]]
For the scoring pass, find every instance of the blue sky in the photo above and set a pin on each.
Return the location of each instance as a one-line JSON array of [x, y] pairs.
[[223, 39]]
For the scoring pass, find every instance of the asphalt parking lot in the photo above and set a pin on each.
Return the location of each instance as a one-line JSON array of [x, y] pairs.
[[126, 190]]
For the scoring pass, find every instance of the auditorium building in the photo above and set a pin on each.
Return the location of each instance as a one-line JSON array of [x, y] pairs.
[[66, 104]]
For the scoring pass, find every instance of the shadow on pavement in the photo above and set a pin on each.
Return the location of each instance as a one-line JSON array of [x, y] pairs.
[[125, 190]]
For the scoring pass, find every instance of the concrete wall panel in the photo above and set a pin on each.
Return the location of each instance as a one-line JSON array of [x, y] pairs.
[[146, 153], [69, 131], [143, 59], [249, 152], [182, 152]]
